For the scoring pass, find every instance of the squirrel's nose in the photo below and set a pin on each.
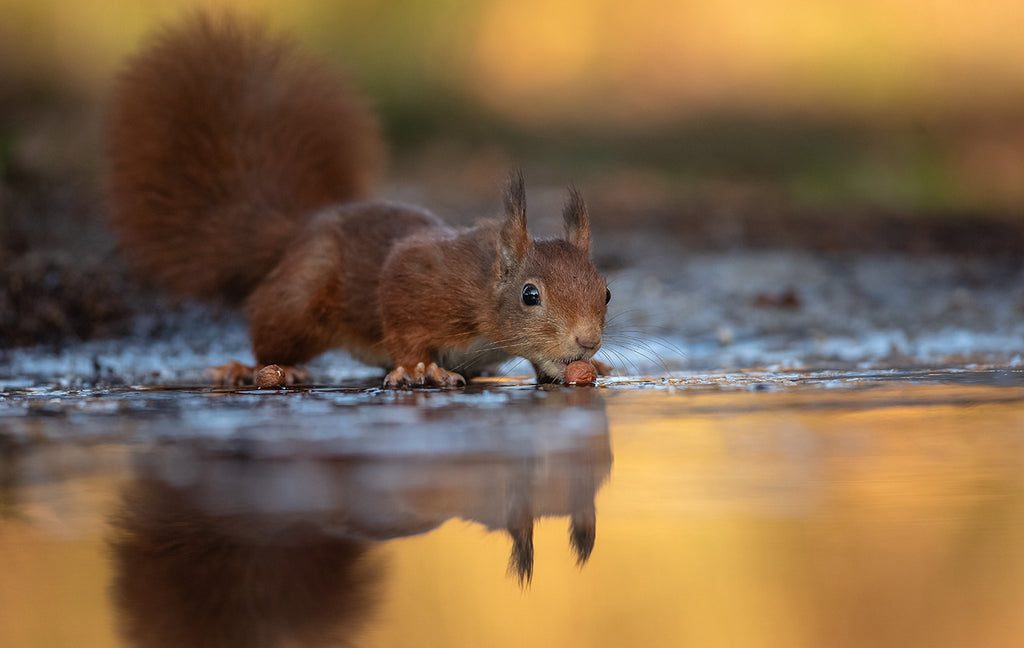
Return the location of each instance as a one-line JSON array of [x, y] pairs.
[[588, 342]]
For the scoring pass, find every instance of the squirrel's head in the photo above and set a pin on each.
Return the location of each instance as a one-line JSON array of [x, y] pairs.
[[551, 299]]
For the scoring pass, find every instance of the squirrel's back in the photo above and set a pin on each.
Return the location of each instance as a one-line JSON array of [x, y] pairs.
[[221, 140]]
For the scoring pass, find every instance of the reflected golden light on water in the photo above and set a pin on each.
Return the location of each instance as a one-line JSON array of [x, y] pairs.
[[878, 516], [893, 526], [53, 592]]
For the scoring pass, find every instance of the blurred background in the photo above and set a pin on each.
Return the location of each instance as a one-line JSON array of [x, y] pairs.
[[726, 123], [909, 104]]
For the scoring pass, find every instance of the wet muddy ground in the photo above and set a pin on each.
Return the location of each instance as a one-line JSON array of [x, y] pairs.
[[673, 309]]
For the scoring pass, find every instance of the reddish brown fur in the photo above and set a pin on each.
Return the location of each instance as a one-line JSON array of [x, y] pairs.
[[324, 292], [431, 293], [225, 146], [221, 140], [440, 292]]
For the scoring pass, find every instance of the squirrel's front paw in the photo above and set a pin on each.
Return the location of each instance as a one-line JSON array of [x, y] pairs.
[[423, 375]]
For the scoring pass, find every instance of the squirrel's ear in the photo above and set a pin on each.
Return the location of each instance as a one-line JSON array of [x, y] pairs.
[[515, 241], [577, 221]]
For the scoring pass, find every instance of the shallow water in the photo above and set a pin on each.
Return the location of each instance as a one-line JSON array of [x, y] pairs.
[[743, 509]]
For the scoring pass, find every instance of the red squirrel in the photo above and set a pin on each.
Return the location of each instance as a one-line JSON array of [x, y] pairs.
[[239, 169]]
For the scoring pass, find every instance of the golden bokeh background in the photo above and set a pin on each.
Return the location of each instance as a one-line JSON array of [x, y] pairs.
[[602, 61], [904, 103]]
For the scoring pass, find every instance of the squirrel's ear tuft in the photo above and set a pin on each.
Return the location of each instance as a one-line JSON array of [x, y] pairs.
[[515, 241], [515, 194], [577, 221]]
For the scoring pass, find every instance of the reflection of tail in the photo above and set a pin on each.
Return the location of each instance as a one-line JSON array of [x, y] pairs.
[[185, 577]]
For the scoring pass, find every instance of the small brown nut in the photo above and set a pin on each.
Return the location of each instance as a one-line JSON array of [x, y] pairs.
[[270, 377], [580, 372]]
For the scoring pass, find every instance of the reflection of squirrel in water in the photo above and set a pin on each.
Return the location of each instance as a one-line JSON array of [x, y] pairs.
[[185, 577], [207, 550], [227, 151]]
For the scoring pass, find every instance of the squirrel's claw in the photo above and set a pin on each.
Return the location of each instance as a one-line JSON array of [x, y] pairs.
[[423, 375], [442, 377], [397, 378]]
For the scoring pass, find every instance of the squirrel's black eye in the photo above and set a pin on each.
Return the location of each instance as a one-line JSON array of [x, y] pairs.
[[607, 295], [531, 296]]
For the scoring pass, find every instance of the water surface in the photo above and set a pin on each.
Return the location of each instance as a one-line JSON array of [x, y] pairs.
[[879, 508]]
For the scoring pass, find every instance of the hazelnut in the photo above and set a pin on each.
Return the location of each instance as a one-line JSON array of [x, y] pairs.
[[270, 377], [580, 372]]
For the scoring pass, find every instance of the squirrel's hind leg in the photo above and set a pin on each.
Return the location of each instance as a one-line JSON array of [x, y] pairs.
[[309, 303]]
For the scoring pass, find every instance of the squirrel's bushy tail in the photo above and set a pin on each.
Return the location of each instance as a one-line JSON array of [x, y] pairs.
[[221, 138]]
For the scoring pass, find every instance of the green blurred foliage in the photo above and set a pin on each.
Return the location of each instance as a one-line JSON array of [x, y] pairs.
[[894, 104]]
